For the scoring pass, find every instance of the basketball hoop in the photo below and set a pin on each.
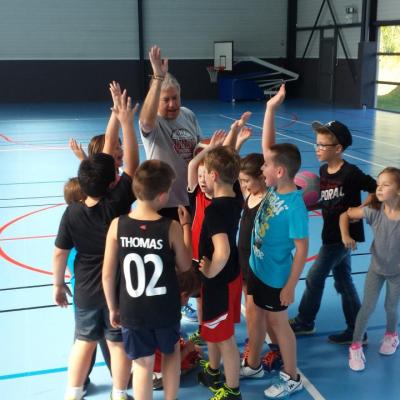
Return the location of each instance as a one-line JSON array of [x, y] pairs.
[[213, 72]]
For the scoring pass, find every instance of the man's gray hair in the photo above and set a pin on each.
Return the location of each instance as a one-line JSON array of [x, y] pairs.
[[170, 81]]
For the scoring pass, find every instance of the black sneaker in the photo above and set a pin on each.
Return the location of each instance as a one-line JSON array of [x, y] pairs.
[[300, 328], [345, 337], [212, 380], [226, 393]]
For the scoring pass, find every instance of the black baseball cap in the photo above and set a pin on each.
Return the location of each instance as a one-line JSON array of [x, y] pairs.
[[339, 130]]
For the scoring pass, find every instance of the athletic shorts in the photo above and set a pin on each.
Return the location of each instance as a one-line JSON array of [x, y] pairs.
[[140, 343], [264, 296], [223, 327], [92, 325]]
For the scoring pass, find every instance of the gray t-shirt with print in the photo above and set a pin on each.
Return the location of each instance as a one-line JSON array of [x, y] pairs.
[[385, 248], [173, 141]]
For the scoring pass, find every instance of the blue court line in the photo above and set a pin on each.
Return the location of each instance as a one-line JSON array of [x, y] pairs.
[[41, 372]]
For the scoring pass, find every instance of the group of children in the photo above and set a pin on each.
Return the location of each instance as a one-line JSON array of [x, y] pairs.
[[132, 267]]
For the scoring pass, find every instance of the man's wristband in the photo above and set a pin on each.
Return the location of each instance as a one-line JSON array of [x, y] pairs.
[[157, 77], [186, 223]]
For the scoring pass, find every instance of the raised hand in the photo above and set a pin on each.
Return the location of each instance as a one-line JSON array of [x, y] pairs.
[[184, 216], [277, 100], [243, 135], [218, 137], [115, 90], [243, 119], [123, 108], [77, 149], [159, 65]]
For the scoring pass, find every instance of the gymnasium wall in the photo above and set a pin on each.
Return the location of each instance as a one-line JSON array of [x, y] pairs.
[[68, 50]]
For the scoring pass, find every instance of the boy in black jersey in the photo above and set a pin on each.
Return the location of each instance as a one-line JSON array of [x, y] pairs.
[[84, 226], [222, 282], [340, 187], [146, 300]]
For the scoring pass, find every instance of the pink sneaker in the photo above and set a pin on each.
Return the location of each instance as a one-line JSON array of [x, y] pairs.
[[356, 359], [389, 344]]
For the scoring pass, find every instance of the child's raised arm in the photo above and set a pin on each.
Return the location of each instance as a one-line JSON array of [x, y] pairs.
[[109, 271], [125, 114], [112, 130], [217, 139], [236, 127], [268, 134], [77, 149]]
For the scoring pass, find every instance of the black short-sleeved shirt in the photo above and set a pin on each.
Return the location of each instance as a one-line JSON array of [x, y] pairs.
[[85, 228], [339, 191], [221, 216]]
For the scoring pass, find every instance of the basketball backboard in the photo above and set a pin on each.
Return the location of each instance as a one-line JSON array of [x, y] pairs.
[[223, 55]]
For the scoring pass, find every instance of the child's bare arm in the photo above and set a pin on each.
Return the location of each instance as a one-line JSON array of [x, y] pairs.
[[243, 136], [268, 134], [347, 240], [77, 149], [220, 257], [148, 114], [217, 139], [180, 240], [236, 127], [60, 289], [110, 264], [125, 114], [112, 131], [299, 259]]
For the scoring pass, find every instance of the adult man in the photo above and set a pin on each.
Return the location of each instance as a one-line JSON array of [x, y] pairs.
[[169, 132]]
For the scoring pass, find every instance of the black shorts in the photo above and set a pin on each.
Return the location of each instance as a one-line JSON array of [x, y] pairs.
[[140, 343], [264, 296], [92, 325]]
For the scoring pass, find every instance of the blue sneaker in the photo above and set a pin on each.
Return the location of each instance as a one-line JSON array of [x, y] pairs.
[[189, 313]]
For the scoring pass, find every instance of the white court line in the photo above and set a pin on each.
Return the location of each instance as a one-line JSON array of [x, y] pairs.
[[32, 147], [307, 142], [357, 136], [308, 386]]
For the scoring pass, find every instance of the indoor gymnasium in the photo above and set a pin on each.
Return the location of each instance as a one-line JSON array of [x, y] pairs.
[[262, 71]]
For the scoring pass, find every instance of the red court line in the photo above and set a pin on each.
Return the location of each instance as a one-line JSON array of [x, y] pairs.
[[13, 221], [6, 138], [29, 237]]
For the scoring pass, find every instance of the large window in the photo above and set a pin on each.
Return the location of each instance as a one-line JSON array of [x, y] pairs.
[[388, 75]]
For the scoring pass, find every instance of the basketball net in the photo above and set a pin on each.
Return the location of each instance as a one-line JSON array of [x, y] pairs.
[[213, 72]]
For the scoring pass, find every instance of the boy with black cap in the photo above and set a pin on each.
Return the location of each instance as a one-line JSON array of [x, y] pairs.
[[340, 187]]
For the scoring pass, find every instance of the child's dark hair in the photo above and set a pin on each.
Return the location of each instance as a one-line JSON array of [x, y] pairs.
[[189, 282], [288, 156], [96, 173], [225, 161], [251, 164], [151, 178], [73, 191], [395, 172]]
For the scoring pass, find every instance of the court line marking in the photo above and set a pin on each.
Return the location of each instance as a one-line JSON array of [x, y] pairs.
[[307, 142]]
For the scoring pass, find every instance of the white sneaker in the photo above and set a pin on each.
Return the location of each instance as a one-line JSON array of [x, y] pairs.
[[284, 387], [389, 344], [356, 359], [248, 372]]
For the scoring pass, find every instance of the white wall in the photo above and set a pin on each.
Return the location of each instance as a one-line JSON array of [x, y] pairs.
[[187, 29], [307, 11], [68, 29], [107, 29]]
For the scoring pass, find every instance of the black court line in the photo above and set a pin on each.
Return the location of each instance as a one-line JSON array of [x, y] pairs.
[[30, 183], [30, 308]]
